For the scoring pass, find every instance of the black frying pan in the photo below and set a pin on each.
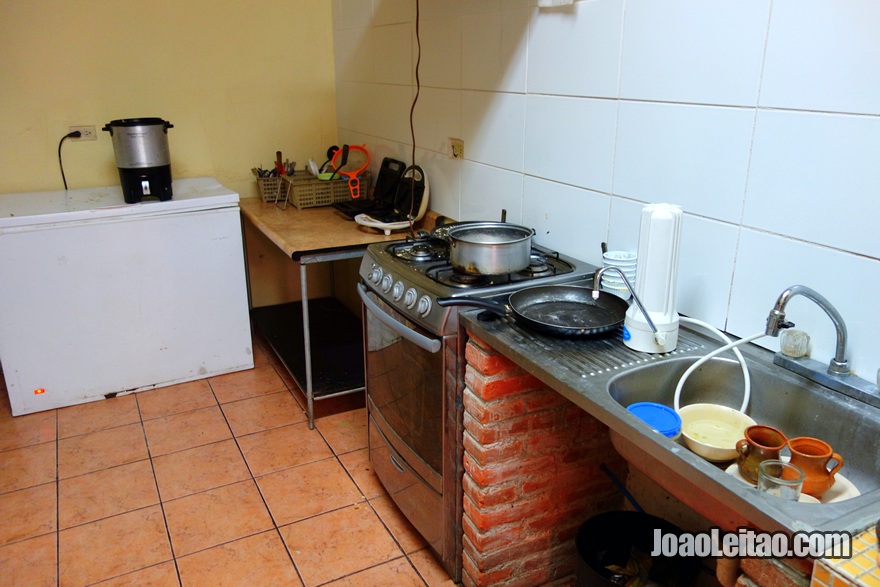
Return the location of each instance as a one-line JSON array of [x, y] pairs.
[[563, 310]]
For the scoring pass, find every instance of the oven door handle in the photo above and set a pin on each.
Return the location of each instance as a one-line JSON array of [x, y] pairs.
[[431, 345]]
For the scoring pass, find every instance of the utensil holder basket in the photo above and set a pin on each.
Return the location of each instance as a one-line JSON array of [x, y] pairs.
[[271, 188], [304, 190]]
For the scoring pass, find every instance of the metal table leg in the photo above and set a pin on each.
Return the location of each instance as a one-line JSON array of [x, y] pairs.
[[310, 398]]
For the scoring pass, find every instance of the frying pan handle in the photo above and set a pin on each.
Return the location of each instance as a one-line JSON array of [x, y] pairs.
[[496, 307]]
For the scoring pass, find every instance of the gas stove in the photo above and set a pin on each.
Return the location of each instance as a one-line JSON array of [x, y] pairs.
[[410, 276]]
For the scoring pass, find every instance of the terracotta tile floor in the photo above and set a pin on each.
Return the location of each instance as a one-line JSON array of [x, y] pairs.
[[208, 483]]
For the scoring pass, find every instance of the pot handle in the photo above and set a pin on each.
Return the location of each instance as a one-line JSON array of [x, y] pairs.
[[496, 307]]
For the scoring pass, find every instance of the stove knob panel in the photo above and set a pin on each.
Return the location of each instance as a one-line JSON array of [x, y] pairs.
[[397, 292], [386, 283], [376, 274], [409, 299], [424, 306]]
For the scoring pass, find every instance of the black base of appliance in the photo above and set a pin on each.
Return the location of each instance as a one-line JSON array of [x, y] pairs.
[[145, 182], [337, 344]]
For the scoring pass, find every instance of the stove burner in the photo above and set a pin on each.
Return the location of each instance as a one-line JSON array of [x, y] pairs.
[[468, 279], [419, 251], [538, 266]]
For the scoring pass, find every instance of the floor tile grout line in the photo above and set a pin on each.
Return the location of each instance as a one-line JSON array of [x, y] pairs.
[[336, 454], [370, 503], [260, 491], [159, 494]]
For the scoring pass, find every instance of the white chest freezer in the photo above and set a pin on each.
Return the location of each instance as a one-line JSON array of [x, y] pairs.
[[99, 297]]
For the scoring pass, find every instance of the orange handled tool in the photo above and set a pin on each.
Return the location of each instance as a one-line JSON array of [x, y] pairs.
[[354, 184]]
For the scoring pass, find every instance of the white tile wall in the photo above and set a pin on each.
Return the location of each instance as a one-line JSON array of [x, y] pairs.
[[760, 118], [494, 44], [822, 55], [566, 218], [571, 140], [576, 51], [391, 54], [486, 191], [440, 40], [492, 127], [767, 264], [815, 177], [693, 51], [437, 118], [693, 156]]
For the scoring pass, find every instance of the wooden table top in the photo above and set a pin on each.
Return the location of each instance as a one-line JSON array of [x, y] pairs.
[[312, 231]]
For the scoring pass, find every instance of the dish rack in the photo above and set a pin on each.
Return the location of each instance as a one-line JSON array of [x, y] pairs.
[[304, 190]]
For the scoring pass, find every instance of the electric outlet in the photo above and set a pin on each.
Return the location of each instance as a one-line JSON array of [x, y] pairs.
[[88, 133], [456, 148]]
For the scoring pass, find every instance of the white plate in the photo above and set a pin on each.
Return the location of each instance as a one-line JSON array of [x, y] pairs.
[[842, 489], [387, 227]]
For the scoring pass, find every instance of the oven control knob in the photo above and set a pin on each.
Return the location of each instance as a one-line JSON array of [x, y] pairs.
[[424, 306], [386, 283], [376, 274], [409, 299], [397, 292]]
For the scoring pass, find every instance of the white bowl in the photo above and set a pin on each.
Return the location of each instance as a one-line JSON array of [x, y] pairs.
[[620, 256], [614, 275], [712, 430]]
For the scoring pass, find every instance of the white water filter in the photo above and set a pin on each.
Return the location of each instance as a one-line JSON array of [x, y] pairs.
[[656, 278]]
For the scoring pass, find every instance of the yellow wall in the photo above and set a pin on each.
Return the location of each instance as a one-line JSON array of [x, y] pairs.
[[238, 80]]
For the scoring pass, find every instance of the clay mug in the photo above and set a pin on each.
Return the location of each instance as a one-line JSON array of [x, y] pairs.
[[761, 443], [812, 456]]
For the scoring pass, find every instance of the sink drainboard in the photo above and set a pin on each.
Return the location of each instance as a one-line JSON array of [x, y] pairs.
[[601, 356]]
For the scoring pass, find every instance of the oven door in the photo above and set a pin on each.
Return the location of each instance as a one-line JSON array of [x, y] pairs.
[[404, 379], [414, 409]]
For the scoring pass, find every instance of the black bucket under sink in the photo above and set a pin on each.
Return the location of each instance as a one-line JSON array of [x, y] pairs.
[[619, 539]]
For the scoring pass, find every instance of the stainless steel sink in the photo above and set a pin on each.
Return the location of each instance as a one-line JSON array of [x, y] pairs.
[[779, 398]]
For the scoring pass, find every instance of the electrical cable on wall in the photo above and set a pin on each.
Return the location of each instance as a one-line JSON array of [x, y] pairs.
[[412, 128], [71, 135]]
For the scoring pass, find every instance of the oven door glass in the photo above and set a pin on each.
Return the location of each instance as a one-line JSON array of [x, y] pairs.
[[404, 379]]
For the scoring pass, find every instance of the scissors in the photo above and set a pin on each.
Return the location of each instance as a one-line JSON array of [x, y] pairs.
[[354, 184]]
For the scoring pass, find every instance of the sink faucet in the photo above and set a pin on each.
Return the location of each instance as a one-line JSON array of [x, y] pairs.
[[776, 321], [837, 375]]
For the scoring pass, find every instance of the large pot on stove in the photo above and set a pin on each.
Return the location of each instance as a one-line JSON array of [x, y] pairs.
[[488, 248]]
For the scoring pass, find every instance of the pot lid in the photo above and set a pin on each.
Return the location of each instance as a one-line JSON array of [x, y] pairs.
[[661, 418]]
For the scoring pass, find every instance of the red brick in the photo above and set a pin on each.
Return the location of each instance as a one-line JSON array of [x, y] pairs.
[[488, 496], [504, 472], [769, 573], [476, 340], [487, 454], [488, 362], [801, 565], [472, 575], [543, 399], [559, 561], [495, 387], [495, 538], [480, 433], [487, 518], [503, 557], [492, 412]]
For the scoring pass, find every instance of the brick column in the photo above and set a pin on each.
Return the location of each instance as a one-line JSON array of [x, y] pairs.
[[532, 477]]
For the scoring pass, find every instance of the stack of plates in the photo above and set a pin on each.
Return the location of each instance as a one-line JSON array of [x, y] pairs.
[[611, 280]]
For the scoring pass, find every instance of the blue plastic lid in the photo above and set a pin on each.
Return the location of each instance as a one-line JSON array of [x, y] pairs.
[[661, 418]]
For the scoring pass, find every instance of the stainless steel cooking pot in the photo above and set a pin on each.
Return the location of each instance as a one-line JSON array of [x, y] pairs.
[[489, 248]]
